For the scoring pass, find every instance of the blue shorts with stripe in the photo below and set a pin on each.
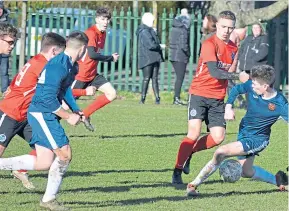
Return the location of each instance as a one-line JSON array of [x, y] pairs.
[[46, 130], [253, 145]]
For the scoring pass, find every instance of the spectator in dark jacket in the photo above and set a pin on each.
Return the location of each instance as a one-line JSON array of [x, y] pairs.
[[149, 55], [180, 52], [4, 59], [254, 49]]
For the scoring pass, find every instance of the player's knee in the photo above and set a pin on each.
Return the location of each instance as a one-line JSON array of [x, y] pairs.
[[218, 138], [220, 154], [193, 134], [111, 94], [2, 149]]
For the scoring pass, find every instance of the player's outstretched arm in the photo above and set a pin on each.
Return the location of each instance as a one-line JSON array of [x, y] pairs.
[[97, 56], [237, 90]]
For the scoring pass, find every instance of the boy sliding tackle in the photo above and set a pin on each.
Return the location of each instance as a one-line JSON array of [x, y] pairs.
[[265, 106]]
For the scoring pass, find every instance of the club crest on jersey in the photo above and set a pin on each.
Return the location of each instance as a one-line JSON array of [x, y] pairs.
[[271, 106], [2, 138]]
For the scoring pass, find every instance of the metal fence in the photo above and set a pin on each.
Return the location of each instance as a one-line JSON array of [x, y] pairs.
[[121, 38]]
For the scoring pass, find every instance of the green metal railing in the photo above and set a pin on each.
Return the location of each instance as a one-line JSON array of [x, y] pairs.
[[124, 74]]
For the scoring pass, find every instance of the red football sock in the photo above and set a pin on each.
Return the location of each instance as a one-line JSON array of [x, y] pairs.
[[95, 105], [206, 142], [185, 151], [33, 152], [78, 92]]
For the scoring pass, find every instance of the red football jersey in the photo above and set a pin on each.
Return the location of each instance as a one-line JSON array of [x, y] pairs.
[[213, 50], [87, 66], [17, 101]]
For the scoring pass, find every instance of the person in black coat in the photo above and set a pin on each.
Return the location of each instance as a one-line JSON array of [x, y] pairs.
[[254, 49], [149, 55], [180, 52]]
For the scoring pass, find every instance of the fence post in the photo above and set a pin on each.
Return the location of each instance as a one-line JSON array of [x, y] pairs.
[[192, 49], [163, 41], [14, 60], [127, 49], [171, 18], [36, 33], [199, 33], [134, 61], [120, 49], [23, 34], [114, 18]]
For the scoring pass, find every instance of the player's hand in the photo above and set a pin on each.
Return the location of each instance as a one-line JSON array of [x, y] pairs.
[[229, 113], [8, 90], [90, 91], [64, 106], [243, 76], [115, 56], [73, 119], [163, 46]]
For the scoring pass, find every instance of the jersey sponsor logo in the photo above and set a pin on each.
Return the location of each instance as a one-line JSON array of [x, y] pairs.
[[271, 106], [193, 112], [222, 65], [2, 138]]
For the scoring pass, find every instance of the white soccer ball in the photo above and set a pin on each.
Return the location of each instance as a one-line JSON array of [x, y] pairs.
[[230, 170]]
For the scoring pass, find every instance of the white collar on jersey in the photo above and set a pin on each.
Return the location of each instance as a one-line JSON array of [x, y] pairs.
[[70, 58]]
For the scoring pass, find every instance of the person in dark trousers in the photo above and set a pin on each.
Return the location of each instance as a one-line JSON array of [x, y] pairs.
[[4, 58], [180, 51], [149, 55], [254, 49]]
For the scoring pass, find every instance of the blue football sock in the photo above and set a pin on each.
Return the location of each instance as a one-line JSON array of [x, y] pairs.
[[263, 175]]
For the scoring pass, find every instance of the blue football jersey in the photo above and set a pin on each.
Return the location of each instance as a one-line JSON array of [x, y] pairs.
[[54, 85], [261, 113]]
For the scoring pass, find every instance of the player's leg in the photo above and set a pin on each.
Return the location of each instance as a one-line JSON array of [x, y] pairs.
[[22, 175], [216, 124], [109, 94], [155, 82], [55, 177], [256, 172], [8, 129], [223, 152], [147, 75], [196, 113]]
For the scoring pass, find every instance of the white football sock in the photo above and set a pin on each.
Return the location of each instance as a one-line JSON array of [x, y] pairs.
[[207, 171], [263, 175], [24, 162], [55, 176]]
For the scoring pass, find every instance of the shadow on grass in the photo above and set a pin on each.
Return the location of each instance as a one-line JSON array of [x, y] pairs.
[[136, 135], [93, 173], [169, 198]]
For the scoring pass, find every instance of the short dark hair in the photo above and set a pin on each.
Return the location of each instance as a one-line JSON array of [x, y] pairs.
[[263, 74], [227, 14], [77, 39], [9, 30], [103, 12], [52, 39]]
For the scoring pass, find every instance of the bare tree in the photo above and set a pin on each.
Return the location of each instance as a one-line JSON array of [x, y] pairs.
[[245, 18]]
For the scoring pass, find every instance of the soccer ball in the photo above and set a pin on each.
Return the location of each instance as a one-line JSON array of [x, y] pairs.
[[230, 170]]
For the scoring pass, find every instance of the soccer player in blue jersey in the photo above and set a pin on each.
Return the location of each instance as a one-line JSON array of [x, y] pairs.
[[48, 136], [265, 106]]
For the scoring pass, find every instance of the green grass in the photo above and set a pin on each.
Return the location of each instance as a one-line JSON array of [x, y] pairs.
[[127, 165]]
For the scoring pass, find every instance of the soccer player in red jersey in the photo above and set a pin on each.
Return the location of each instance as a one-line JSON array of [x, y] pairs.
[[88, 75], [207, 92], [13, 108]]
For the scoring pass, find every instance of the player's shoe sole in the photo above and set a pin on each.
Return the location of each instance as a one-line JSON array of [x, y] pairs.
[[192, 191], [23, 177], [53, 205]]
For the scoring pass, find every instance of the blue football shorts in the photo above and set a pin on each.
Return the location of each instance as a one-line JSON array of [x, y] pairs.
[[253, 145], [46, 130]]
